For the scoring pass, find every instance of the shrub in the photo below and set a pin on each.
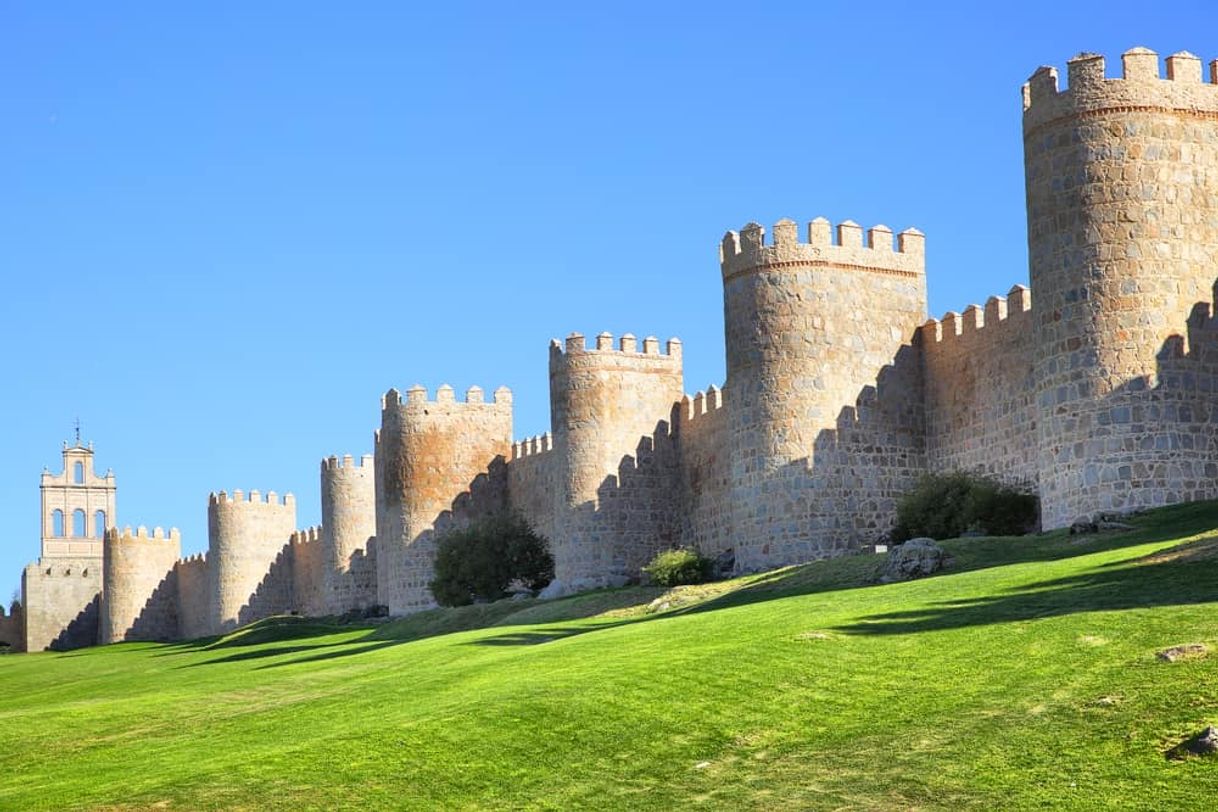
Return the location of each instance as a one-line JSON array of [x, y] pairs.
[[480, 562], [676, 567], [946, 506]]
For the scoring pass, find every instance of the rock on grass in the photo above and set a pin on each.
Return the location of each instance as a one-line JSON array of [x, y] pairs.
[[1188, 651], [1204, 743]]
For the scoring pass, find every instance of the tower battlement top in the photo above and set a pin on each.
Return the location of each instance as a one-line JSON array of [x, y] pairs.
[[627, 345], [843, 247], [141, 534], [417, 396], [346, 462], [253, 499], [1141, 86]]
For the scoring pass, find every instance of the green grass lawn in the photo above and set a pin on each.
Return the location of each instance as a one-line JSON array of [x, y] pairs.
[[1024, 677]]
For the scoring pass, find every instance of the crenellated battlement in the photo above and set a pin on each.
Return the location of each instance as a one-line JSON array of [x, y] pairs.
[[418, 395], [1142, 85], [533, 446], [627, 345], [193, 560], [701, 403], [346, 462], [843, 247], [116, 536], [997, 312], [308, 535], [254, 497]]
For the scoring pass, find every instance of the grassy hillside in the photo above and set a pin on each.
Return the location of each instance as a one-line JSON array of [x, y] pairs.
[[1024, 677]]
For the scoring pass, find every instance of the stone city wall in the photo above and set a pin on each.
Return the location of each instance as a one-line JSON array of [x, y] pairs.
[[310, 567], [12, 627], [705, 472], [1104, 396], [638, 510], [273, 594], [193, 578], [846, 491], [61, 597], [533, 483], [980, 390]]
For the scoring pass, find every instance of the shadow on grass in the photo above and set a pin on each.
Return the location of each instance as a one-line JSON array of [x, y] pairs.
[[853, 572], [337, 650], [261, 653], [1150, 581], [550, 634], [1121, 585], [275, 629], [368, 644]]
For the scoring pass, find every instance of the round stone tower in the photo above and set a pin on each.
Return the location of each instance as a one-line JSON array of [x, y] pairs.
[[244, 538], [1122, 200], [428, 454], [137, 565], [348, 521], [809, 325], [603, 401]]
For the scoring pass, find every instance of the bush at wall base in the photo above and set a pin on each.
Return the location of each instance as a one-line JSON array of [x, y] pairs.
[[944, 506], [676, 567]]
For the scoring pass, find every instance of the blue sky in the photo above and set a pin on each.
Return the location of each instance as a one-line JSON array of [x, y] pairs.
[[225, 230]]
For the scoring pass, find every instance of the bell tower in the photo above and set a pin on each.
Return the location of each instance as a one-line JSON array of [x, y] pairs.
[[60, 593], [77, 506]]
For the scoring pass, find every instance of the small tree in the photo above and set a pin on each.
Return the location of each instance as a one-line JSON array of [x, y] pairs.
[[479, 562]]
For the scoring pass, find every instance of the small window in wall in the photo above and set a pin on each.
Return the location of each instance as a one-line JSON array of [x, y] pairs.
[[57, 523], [78, 473], [79, 530], [99, 523]]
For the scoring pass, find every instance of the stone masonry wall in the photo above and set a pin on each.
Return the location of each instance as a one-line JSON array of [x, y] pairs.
[[12, 628], [981, 390], [274, 593], [194, 597], [310, 566], [1187, 397], [61, 603], [1122, 198], [138, 600], [532, 484], [638, 511], [809, 326], [429, 452], [845, 494], [245, 537], [705, 472]]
